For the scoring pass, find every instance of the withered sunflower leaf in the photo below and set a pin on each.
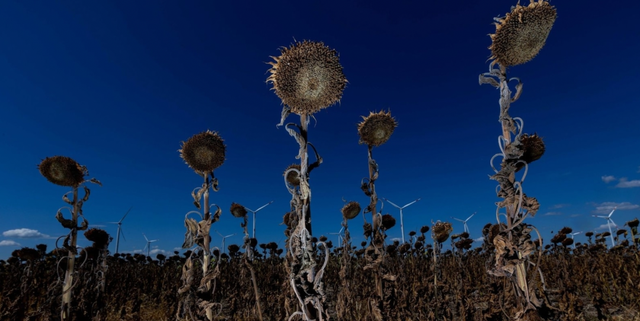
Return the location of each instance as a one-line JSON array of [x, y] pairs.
[[87, 192], [482, 79], [66, 198]]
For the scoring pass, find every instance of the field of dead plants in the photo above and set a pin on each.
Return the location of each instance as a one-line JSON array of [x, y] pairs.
[[589, 282], [512, 275]]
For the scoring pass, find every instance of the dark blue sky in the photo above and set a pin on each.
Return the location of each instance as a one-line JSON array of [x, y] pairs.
[[118, 85]]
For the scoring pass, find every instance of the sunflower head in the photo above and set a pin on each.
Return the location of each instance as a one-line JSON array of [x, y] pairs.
[[388, 221], [522, 33], [307, 77], [203, 152], [376, 128], [62, 170], [238, 210], [533, 148], [292, 174], [351, 210], [441, 231]]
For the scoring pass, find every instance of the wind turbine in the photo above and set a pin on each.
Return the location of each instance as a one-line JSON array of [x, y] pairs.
[[572, 235], [224, 238], [119, 229], [254, 216], [466, 228], [339, 236], [147, 247], [401, 219], [609, 222]]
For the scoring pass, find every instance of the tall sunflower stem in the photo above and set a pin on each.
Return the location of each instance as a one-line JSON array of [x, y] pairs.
[[65, 313], [207, 241]]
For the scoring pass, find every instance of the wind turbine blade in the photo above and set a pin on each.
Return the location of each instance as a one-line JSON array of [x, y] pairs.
[[153, 241], [614, 223], [390, 202], [600, 216], [145, 237], [457, 219], [411, 203], [614, 209], [218, 233], [342, 229], [122, 233], [125, 214], [263, 206], [468, 218]]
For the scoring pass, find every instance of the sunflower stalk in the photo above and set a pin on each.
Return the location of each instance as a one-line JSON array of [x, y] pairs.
[[375, 130], [204, 153], [307, 77], [64, 171], [518, 38], [306, 282], [515, 237]]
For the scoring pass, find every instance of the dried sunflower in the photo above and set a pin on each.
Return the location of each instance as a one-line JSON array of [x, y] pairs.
[[376, 128], [307, 77], [238, 210], [62, 170], [351, 210], [203, 152], [292, 175], [522, 33]]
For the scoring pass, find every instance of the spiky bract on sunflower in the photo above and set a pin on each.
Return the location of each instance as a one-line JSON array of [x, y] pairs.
[[376, 128], [62, 170], [203, 152], [351, 210], [307, 77], [522, 33]]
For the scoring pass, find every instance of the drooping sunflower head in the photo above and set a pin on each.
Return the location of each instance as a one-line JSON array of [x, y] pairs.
[[376, 128], [292, 174], [351, 210], [522, 33], [441, 231], [307, 77], [238, 210], [203, 152], [62, 170]]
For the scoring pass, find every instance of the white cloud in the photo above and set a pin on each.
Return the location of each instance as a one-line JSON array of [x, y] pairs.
[[25, 233], [551, 214], [607, 207], [605, 227], [480, 239], [608, 179], [9, 243], [157, 251], [558, 206], [624, 183], [575, 215]]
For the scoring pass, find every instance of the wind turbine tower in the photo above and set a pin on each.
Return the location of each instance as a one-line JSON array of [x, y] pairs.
[[466, 228], [401, 218], [609, 223], [224, 238], [120, 229], [254, 216], [147, 247]]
